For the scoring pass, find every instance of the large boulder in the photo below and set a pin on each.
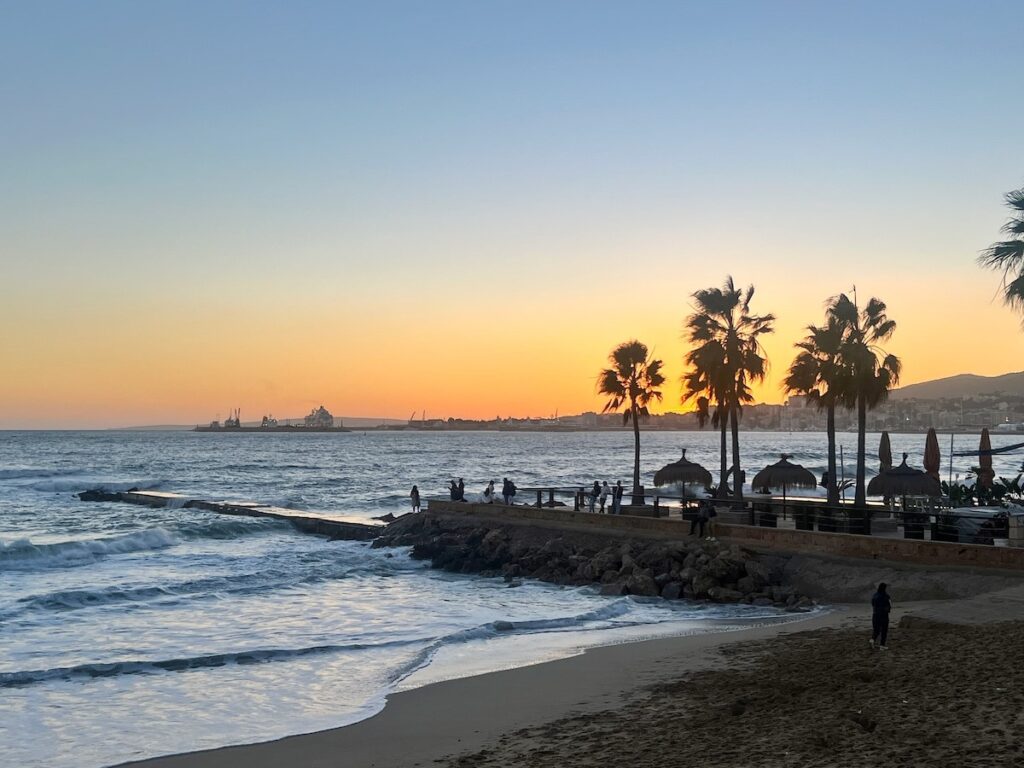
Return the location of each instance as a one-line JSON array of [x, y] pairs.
[[723, 595], [642, 584], [672, 591]]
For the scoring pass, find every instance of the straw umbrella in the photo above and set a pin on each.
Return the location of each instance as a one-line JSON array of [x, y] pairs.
[[783, 474], [932, 458], [884, 453], [904, 480], [683, 472], [985, 472]]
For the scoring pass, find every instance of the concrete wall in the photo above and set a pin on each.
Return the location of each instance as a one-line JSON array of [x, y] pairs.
[[936, 553]]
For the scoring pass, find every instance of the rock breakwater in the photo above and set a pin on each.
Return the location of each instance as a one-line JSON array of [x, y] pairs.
[[684, 569]]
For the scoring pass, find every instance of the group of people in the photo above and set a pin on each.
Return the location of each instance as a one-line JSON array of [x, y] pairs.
[[600, 493], [457, 492]]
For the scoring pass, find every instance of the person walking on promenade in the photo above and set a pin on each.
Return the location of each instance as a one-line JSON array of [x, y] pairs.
[[414, 497], [504, 491], [594, 493], [489, 493], [453, 491], [461, 490], [603, 498], [511, 492], [617, 498], [880, 607]]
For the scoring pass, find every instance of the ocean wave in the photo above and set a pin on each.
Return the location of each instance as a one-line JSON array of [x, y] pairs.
[[75, 484], [431, 646], [182, 664], [20, 473], [23, 553], [600, 617]]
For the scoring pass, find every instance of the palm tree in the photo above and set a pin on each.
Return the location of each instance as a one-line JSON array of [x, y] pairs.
[[632, 381], [707, 383], [868, 371], [1008, 255], [726, 359], [817, 373]]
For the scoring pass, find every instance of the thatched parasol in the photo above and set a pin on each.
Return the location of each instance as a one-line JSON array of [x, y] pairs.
[[932, 458], [782, 474], [904, 481], [884, 453], [683, 472], [985, 472]]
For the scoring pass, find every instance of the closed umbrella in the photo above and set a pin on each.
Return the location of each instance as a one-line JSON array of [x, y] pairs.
[[985, 472], [902, 481], [784, 474], [932, 458], [884, 453], [683, 472]]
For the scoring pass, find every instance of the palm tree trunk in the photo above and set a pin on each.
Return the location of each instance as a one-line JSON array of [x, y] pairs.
[[638, 496], [830, 428], [737, 475], [860, 497], [723, 426]]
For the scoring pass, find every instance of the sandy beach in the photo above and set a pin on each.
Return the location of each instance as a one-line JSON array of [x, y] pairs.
[[810, 693]]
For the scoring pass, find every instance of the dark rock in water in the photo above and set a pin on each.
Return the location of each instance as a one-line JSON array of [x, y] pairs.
[[672, 591], [642, 584], [504, 626], [388, 518], [99, 494], [515, 583], [615, 589]]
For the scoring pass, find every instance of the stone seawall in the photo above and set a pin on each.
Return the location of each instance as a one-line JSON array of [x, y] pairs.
[[699, 570]]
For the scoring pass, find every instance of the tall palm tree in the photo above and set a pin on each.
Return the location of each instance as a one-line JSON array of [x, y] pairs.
[[817, 373], [1008, 255], [726, 359], [707, 383], [632, 381], [870, 373]]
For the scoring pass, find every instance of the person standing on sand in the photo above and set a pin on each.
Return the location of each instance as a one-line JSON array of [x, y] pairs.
[[604, 495], [414, 497], [880, 607]]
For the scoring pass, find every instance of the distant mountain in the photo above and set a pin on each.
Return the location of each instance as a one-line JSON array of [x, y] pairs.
[[963, 385]]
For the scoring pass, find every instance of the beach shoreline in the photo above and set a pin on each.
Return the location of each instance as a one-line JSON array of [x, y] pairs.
[[423, 725]]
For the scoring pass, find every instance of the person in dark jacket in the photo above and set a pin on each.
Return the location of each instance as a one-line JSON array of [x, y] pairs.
[[462, 491], [414, 497], [880, 607], [594, 493], [453, 491], [505, 496]]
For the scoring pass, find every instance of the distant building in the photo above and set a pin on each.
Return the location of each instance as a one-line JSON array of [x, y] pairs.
[[319, 418]]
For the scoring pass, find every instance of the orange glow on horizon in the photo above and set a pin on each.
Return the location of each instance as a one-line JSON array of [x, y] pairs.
[[128, 363]]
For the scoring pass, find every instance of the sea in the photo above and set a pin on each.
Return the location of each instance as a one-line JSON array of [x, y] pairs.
[[128, 632]]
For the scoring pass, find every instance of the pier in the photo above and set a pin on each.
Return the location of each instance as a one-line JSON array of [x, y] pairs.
[[334, 525]]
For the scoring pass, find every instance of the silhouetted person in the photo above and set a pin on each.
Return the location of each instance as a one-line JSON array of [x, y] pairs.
[[701, 520], [414, 498], [604, 494], [511, 492], [489, 493], [617, 498], [453, 491], [594, 493], [505, 496], [462, 490], [880, 607]]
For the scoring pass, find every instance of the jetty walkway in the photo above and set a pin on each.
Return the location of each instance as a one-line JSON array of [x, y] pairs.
[[337, 526]]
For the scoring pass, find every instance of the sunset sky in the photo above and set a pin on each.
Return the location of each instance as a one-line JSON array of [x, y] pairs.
[[463, 206]]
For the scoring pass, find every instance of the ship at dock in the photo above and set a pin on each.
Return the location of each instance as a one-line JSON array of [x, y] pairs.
[[318, 420]]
